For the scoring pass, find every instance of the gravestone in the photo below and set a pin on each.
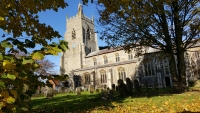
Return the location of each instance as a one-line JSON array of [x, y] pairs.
[[49, 92], [91, 88], [78, 91], [122, 88], [42, 90], [136, 86], [113, 87], [129, 86], [108, 95], [117, 88], [60, 90], [45, 91]]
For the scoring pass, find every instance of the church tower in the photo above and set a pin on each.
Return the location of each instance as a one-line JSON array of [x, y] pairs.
[[82, 40]]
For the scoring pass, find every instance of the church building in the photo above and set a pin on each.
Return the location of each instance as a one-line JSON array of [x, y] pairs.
[[86, 64]]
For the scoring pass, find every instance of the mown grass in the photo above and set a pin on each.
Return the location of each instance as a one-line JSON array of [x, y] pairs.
[[152, 102]]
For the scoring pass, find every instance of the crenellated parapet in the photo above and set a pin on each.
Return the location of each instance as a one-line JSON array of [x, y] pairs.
[[71, 19]]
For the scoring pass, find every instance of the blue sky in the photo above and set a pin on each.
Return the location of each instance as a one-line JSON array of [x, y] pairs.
[[57, 20]]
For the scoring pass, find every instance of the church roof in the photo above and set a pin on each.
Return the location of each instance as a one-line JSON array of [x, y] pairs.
[[149, 50], [103, 51]]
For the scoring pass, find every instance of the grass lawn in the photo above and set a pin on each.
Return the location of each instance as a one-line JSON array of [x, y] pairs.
[[92, 103]]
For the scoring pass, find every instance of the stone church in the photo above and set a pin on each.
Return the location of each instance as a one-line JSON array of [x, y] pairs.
[[87, 64]]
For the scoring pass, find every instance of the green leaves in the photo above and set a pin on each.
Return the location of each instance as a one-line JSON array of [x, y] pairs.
[[2, 84], [11, 76], [6, 44], [63, 45], [38, 56], [27, 61], [1, 57], [19, 69]]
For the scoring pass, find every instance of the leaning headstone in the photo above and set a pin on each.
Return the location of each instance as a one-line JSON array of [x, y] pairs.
[[136, 86], [50, 92], [91, 88], [78, 91], [122, 88], [129, 86], [113, 87]]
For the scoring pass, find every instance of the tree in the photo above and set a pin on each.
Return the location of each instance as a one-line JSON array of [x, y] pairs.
[[46, 67], [169, 25], [22, 31]]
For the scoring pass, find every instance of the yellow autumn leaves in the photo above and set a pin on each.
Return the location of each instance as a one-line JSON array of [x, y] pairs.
[[8, 98], [7, 65], [188, 102]]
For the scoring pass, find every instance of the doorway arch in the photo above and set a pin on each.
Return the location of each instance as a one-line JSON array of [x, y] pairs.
[[167, 82]]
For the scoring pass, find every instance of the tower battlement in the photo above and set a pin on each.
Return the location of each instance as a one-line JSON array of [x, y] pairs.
[[70, 19]]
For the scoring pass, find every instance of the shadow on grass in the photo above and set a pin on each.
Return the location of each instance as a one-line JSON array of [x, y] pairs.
[[69, 103], [65, 103]]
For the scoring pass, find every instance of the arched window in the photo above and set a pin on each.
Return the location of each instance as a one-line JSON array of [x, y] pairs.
[[105, 59], [166, 64], [149, 68], [103, 76], [117, 57], [122, 73], [95, 61], [87, 78]]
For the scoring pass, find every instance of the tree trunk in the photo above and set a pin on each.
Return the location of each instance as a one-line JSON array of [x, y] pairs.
[[178, 73], [174, 74], [181, 71]]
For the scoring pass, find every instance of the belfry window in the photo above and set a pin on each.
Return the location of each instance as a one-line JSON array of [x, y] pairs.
[[73, 34]]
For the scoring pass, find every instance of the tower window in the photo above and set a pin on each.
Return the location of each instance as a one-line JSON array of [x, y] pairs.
[[73, 34]]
